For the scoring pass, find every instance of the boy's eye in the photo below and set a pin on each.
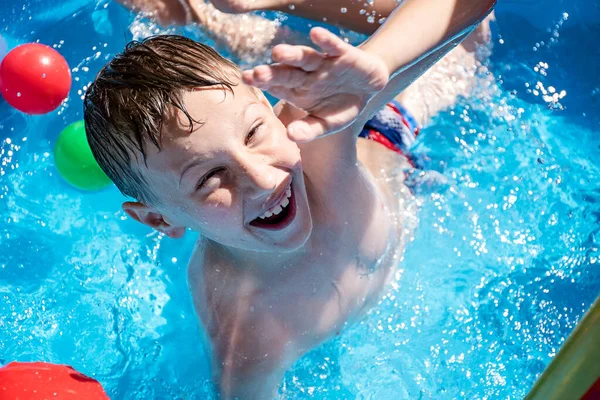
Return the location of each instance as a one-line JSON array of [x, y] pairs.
[[206, 177], [252, 133]]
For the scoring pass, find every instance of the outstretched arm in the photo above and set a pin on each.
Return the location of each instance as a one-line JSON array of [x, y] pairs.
[[446, 27], [250, 36], [359, 15], [413, 38]]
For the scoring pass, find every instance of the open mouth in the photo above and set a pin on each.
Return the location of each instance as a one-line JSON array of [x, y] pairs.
[[279, 216]]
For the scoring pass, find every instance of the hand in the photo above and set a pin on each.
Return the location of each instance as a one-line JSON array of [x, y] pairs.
[[164, 12], [333, 86], [248, 38]]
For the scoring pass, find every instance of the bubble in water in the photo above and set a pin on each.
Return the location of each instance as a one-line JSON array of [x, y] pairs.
[[292, 7], [18, 94], [343, 10], [370, 19]]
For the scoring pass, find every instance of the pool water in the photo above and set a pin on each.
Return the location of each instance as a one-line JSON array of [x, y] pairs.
[[504, 263]]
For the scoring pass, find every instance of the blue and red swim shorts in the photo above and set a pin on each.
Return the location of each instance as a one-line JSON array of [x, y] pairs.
[[394, 127]]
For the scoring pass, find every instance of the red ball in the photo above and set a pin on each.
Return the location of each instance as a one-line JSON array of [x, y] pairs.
[[40, 381], [34, 78]]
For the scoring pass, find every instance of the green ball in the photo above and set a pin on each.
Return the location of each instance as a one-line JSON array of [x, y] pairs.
[[75, 161]]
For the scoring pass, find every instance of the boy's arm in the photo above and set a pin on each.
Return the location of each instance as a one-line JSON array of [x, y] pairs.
[[418, 27], [247, 373], [446, 27], [251, 356], [249, 351], [361, 16], [417, 34]]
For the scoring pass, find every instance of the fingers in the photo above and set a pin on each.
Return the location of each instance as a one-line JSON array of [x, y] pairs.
[[295, 63], [306, 129], [282, 93], [291, 71], [303, 57], [267, 76], [328, 120], [328, 42]]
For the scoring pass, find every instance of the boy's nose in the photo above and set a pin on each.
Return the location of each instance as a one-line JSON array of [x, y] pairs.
[[260, 179]]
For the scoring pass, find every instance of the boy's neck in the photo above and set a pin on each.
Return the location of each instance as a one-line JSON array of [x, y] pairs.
[[255, 262]]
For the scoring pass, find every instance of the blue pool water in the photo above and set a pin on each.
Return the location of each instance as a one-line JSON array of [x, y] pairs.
[[503, 265]]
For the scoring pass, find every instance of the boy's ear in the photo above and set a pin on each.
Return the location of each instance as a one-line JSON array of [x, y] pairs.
[[150, 217]]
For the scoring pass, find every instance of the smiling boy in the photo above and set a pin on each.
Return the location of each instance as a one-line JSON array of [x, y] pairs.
[[297, 236]]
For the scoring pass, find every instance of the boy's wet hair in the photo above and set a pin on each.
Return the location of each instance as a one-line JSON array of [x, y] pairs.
[[125, 106]]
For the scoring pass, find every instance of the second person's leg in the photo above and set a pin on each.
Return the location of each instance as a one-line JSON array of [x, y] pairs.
[[359, 15]]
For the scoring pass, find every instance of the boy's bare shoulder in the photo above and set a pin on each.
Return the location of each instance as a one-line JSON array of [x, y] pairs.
[[209, 278], [194, 268]]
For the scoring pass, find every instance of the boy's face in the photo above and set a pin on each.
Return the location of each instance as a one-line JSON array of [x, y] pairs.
[[237, 166]]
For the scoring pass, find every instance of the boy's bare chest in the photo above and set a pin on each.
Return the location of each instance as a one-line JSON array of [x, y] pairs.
[[330, 292], [313, 297]]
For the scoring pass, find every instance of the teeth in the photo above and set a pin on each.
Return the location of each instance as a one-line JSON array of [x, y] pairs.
[[278, 208]]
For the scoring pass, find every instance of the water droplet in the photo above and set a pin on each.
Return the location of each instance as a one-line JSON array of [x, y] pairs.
[[343, 10], [43, 75], [18, 94], [292, 7]]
